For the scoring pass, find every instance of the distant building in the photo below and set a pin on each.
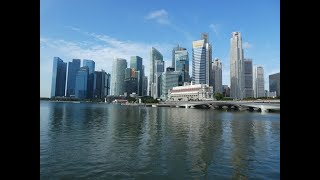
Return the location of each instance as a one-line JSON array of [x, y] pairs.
[[118, 76], [99, 84], [131, 85], [82, 83], [58, 83], [236, 66], [248, 78], [266, 93], [217, 75], [274, 83], [73, 68], [145, 86], [169, 79], [180, 62], [136, 64], [258, 82], [272, 94], [107, 84], [198, 92], [226, 91], [159, 69], [91, 66], [154, 55]]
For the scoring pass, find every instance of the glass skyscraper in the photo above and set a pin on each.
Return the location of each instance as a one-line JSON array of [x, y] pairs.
[[99, 84], [182, 63], [154, 55], [248, 78], [73, 68], [58, 83], [82, 83], [169, 79], [156, 85], [91, 66], [136, 64], [236, 69], [107, 84], [217, 75], [258, 82], [274, 83], [178, 48], [118, 75]]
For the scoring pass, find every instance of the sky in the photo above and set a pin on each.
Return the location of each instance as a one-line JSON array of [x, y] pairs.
[[103, 29]]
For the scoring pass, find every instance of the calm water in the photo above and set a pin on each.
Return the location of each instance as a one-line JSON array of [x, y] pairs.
[[102, 141]]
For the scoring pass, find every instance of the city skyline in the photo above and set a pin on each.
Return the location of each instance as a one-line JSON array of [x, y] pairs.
[[100, 37]]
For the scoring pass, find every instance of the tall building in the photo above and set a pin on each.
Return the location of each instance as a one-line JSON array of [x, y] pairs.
[[91, 66], [169, 79], [145, 86], [58, 83], [248, 78], [136, 64], [154, 55], [201, 61], [181, 58], [236, 69], [258, 82], [217, 76], [118, 75], [73, 68], [99, 84], [226, 91], [178, 48], [107, 83], [156, 85], [131, 85], [274, 83], [81, 90], [129, 73]]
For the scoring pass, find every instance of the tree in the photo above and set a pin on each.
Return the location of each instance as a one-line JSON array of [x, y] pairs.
[[218, 96]]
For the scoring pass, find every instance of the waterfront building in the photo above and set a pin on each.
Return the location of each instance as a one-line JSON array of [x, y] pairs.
[[145, 86], [169, 79], [81, 89], [91, 67], [258, 81], [58, 83], [131, 85], [217, 76], [274, 83], [248, 78], [107, 84], [156, 85], [181, 64], [136, 64], [197, 92], [118, 76], [202, 61], [99, 84], [73, 68], [236, 66], [154, 55]]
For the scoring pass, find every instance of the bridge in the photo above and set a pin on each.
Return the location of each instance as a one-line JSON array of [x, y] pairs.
[[263, 105]]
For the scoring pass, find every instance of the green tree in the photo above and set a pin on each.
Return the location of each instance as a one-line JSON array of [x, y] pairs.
[[218, 96]]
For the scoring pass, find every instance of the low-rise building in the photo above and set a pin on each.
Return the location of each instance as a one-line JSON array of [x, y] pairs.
[[198, 92]]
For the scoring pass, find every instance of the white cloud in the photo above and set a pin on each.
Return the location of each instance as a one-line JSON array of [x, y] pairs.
[[215, 28], [160, 16], [247, 45]]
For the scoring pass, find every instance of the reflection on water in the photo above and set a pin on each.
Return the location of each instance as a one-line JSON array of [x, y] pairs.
[[86, 140]]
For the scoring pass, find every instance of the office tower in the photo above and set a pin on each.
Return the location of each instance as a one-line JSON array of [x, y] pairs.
[[158, 69], [58, 83], [258, 81], [81, 90], [136, 64], [107, 84], [201, 61], [181, 58], [274, 83], [118, 75], [154, 55], [73, 68], [129, 73], [236, 63], [169, 79], [217, 75], [266, 93], [248, 80], [145, 86], [91, 67], [226, 91], [99, 84], [178, 48], [131, 85]]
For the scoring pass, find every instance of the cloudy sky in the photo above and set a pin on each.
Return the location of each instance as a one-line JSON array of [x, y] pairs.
[[103, 29]]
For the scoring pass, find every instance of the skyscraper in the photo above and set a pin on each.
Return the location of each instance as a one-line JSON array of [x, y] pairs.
[[99, 84], [91, 66], [136, 64], [201, 61], [274, 83], [182, 63], [81, 88], [58, 83], [258, 82], [107, 84], [236, 69], [169, 79], [118, 75], [217, 76], [145, 86], [73, 68], [156, 85], [154, 55], [178, 48], [248, 78]]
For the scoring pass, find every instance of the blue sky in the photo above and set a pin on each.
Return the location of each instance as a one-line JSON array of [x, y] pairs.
[[103, 29]]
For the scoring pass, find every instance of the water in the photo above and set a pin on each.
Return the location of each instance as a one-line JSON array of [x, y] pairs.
[[104, 141]]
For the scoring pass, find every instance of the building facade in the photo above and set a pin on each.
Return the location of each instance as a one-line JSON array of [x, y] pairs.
[[217, 76], [136, 64], [236, 66], [202, 61], [169, 79], [73, 68], [156, 85], [274, 83], [58, 83], [107, 84], [81, 90], [118, 76], [154, 55], [91, 66], [198, 92], [174, 52], [99, 84], [258, 82], [226, 91], [181, 58], [248, 78]]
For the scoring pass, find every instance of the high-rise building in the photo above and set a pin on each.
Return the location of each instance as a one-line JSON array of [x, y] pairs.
[[81, 90], [181, 58], [156, 85], [274, 83], [58, 83], [99, 84], [248, 80], [118, 75], [236, 69], [202, 61], [258, 82], [91, 66], [154, 55], [107, 84], [178, 48], [136, 64], [129, 73], [217, 75], [131, 85], [73, 68], [169, 79], [145, 86], [226, 91]]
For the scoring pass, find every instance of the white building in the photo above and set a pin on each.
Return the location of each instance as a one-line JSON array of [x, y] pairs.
[[198, 92], [236, 66], [258, 82]]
